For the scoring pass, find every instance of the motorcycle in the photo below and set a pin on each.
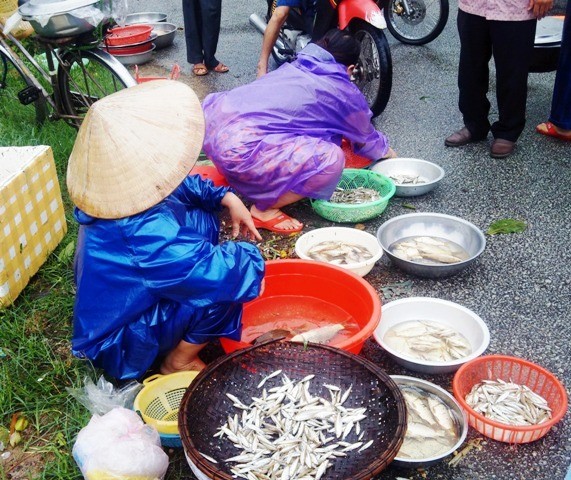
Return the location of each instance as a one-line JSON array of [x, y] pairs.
[[364, 19], [415, 22]]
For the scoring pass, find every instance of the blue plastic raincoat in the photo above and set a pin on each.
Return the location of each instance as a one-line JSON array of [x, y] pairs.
[[282, 133], [147, 281]]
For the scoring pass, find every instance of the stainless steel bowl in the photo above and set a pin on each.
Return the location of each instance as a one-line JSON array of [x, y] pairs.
[[450, 314], [60, 25], [145, 17], [450, 401], [455, 229], [136, 58], [431, 173], [165, 33]]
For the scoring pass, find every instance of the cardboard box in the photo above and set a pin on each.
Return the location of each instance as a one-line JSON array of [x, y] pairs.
[[32, 217]]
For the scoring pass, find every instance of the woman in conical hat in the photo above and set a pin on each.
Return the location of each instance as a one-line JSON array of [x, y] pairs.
[[152, 282]]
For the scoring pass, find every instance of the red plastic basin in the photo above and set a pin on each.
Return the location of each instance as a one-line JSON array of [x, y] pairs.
[[303, 294], [210, 172]]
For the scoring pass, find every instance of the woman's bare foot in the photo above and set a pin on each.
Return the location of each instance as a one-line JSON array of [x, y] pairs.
[[171, 367], [184, 357], [551, 130], [265, 216]]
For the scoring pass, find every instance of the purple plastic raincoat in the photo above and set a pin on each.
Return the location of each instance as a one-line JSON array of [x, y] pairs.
[[148, 281], [282, 133]]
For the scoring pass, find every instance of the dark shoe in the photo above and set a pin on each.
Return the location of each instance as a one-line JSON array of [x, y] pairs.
[[501, 148], [460, 138]]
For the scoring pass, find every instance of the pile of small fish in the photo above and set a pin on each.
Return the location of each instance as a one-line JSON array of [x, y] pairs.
[[508, 402], [429, 250], [354, 196], [431, 426], [405, 179], [288, 433], [339, 253], [428, 340]]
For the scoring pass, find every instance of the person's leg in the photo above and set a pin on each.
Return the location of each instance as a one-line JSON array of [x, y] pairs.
[[192, 31], [325, 18], [210, 13], [561, 102], [183, 357], [513, 47], [473, 73]]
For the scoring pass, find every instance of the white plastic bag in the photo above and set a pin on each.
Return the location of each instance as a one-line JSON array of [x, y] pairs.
[[103, 397], [118, 445]]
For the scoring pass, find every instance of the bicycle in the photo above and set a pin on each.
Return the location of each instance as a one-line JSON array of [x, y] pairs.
[[75, 74]]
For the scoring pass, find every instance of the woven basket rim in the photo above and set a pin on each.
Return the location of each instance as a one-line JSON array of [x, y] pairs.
[[347, 207], [377, 465]]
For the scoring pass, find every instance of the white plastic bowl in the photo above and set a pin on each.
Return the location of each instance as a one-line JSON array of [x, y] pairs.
[[195, 470], [448, 313], [431, 173], [343, 234]]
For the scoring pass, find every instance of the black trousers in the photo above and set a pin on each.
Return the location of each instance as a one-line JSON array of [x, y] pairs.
[[325, 18], [511, 45], [201, 30]]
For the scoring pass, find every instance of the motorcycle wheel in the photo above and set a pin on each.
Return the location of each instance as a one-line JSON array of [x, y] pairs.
[[373, 73], [423, 23]]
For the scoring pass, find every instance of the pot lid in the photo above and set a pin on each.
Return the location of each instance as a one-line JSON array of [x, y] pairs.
[[549, 30], [52, 7]]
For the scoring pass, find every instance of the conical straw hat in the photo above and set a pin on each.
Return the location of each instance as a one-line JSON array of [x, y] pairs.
[[134, 148]]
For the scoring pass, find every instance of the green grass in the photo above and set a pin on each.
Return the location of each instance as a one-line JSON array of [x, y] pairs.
[[36, 364]]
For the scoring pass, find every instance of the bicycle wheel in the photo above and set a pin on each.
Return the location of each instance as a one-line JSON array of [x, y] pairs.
[[22, 86], [373, 73], [85, 76], [416, 22]]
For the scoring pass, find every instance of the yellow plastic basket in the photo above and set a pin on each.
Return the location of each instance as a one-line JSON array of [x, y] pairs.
[[159, 400], [8, 6]]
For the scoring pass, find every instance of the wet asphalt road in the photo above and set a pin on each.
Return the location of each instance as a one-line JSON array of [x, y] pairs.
[[521, 286]]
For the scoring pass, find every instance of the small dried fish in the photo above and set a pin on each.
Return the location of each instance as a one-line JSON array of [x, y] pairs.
[[354, 196], [339, 253], [429, 250], [508, 402], [407, 179], [427, 340], [287, 433]]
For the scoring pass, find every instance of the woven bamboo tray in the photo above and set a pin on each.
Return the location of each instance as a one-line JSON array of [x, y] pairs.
[[205, 406]]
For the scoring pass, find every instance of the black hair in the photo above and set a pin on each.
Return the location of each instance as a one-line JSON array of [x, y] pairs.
[[342, 45]]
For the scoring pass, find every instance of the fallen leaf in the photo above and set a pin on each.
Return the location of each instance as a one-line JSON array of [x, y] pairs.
[[15, 439], [507, 225], [67, 253], [360, 226], [408, 205]]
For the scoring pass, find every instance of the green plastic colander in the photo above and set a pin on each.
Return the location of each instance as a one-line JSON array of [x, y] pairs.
[[355, 178]]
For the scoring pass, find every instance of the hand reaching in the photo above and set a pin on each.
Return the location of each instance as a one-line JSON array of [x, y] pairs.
[[242, 222]]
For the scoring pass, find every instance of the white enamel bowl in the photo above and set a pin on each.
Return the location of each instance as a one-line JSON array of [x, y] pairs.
[[454, 316], [343, 234]]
